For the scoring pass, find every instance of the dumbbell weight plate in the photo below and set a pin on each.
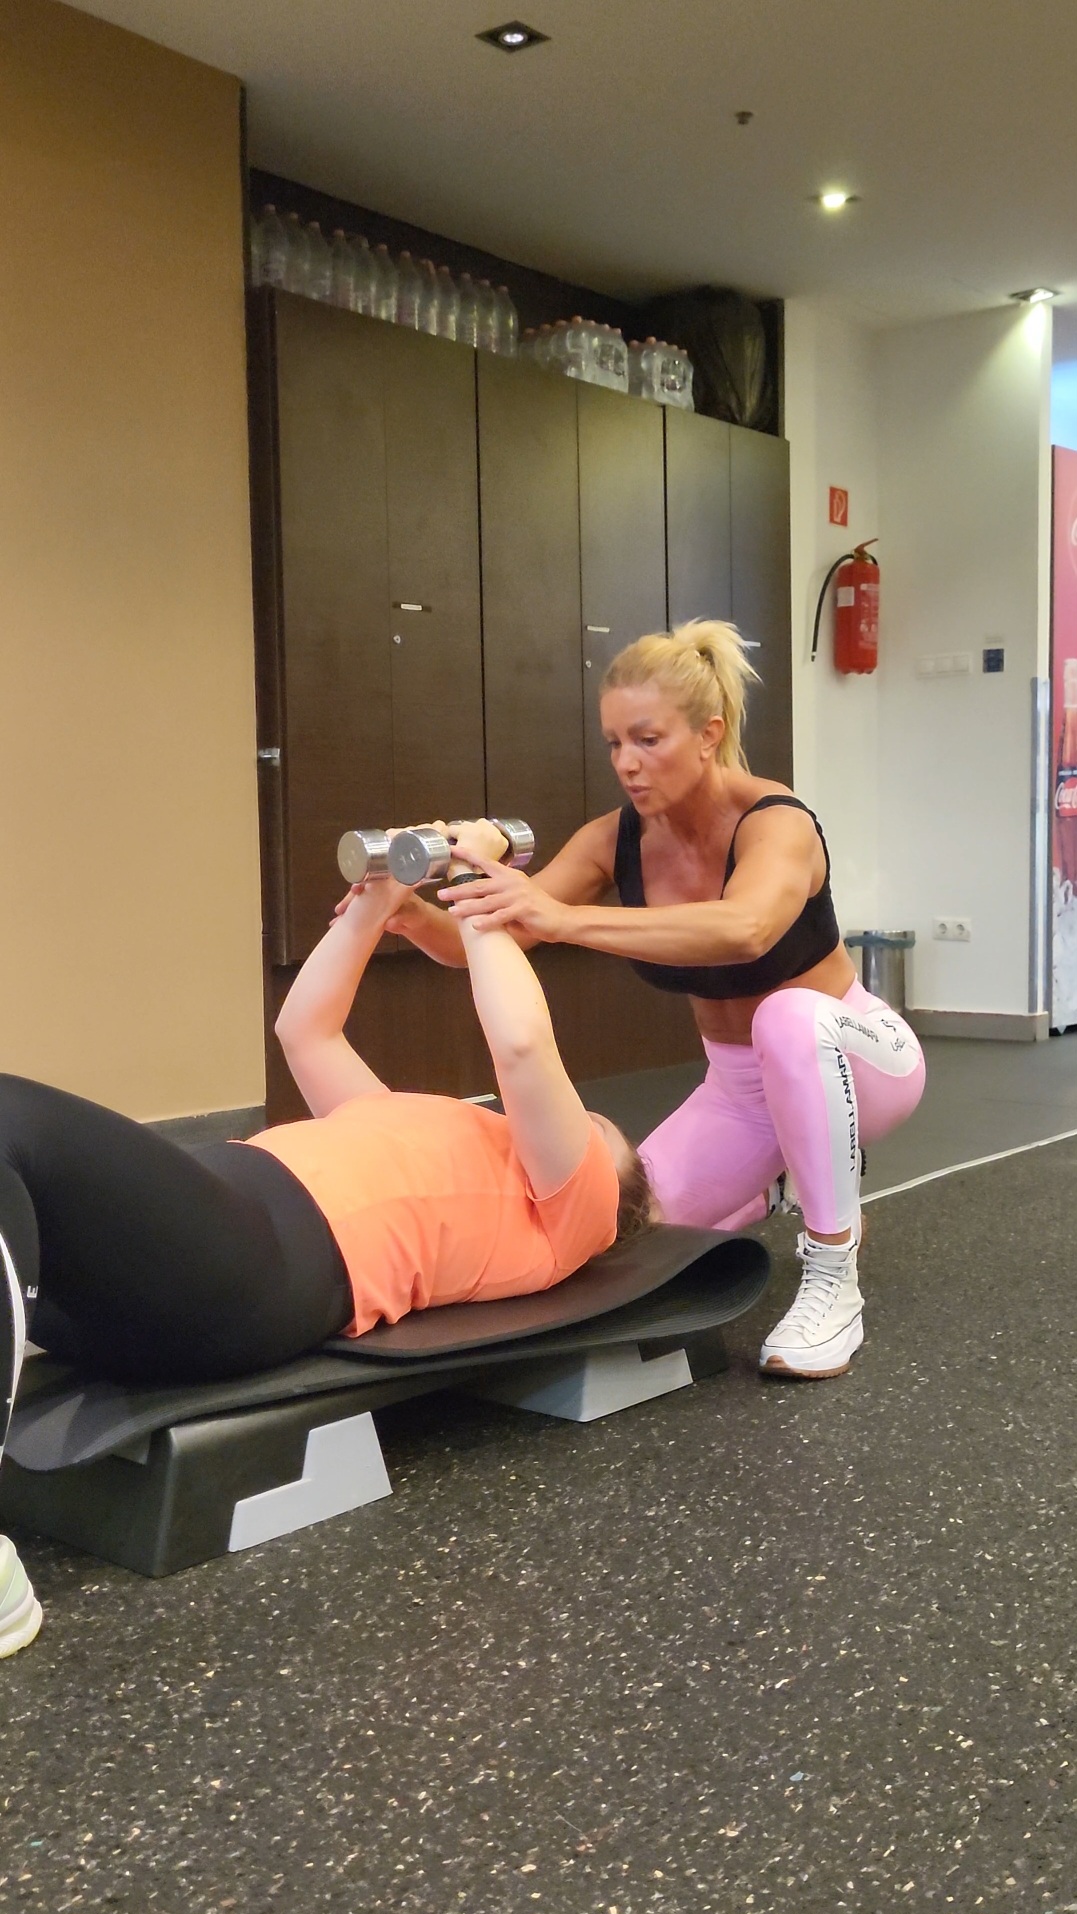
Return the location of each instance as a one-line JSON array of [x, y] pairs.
[[363, 854], [416, 855], [521, 840]]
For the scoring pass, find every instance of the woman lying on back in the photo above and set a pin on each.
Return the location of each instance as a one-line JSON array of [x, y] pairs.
[[150, 1263]]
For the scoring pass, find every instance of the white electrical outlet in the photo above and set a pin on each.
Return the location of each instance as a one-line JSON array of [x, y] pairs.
[[953, 930]]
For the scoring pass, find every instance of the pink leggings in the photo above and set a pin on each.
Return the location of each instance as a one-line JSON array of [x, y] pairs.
[[820, 1077]]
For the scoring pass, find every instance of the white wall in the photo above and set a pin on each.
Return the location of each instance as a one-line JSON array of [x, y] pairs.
[[964, 488], [939, 432], [830, 422]]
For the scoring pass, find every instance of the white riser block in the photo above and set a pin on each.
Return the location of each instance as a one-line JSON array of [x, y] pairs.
[[582, 1388], [343, 1468]]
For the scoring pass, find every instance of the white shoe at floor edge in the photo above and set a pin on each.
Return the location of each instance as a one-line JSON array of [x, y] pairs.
[[822, 1330], [20, 1610]]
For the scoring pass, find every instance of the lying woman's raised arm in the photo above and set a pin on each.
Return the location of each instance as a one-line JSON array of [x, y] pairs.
[[311, 1022]]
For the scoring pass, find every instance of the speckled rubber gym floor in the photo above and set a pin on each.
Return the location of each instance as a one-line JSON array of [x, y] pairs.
[[751, 1646]]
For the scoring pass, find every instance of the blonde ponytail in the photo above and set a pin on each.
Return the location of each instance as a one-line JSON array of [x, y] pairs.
[[703, 668]]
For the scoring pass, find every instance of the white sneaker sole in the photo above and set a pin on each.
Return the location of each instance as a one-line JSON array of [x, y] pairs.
[[830, 1358], [15, 1310], [19, 1628]]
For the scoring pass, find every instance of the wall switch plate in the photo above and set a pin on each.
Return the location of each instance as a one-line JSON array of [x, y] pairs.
[[953, 930], [944, 664]]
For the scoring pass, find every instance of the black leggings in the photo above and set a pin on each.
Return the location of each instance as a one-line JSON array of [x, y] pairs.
[[154, 1263]]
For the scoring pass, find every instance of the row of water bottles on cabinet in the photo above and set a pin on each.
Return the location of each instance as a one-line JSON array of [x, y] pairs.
[[345, 270], [583, 349]]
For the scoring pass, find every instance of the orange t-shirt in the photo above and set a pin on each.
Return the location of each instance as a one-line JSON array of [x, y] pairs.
[[430, 1203]]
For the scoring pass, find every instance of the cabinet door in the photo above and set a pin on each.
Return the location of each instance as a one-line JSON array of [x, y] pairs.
[[759, 467], [697, 516], [531, 598], [433, 521], [622, 553], [333, 639]]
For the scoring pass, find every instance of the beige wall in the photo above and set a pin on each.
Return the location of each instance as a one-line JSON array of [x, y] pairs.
[[129, 914]]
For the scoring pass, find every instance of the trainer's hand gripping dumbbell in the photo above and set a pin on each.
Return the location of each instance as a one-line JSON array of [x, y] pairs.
[[423, 855]]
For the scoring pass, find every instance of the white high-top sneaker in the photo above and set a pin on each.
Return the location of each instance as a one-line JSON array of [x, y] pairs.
[[822, 1331], [20, 1610]]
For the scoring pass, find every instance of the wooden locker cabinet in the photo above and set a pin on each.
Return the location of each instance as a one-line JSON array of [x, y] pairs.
[[727, 546], [531, 598], [538, 525], [622, 554], [698, 529], [433, 529], [370, 506], [760, 594]]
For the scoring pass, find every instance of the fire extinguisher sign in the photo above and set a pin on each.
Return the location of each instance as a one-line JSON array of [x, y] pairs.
[[839, 505]]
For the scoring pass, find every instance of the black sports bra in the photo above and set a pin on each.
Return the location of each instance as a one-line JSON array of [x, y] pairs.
[[807, 941]]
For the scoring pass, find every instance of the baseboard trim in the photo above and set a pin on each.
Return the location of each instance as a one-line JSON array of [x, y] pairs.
[[996, 1026], [216, 1126]]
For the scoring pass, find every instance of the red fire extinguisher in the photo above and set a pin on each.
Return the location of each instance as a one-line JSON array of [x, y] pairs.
[[856, 610]]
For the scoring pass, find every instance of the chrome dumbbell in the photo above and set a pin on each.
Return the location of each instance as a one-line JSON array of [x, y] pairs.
[[362, 855], [423, 855]]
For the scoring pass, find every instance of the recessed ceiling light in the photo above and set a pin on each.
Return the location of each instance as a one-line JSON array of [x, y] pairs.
[[1034, 295], [513, 37], [834, 199]]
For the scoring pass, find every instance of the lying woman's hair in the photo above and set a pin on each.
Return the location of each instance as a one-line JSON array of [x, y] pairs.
[[702, 667], [636, 1208]]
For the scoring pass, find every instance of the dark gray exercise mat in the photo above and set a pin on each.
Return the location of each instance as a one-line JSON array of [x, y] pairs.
[[620, 1275], [673, 1282]]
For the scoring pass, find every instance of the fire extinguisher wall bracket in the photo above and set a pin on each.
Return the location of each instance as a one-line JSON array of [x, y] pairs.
[[856, 611]]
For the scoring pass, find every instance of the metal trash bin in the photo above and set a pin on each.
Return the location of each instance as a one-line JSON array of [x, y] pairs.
[[881, 962]]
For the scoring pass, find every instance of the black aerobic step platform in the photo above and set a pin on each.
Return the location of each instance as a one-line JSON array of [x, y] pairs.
[[160, 1479]]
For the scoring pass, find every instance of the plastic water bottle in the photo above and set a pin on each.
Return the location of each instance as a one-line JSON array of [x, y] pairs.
[[448, 304], [612, 359], [467, 325], [685, 377], [642, 368], [409, 289], [269, 249], [343, 290], [320, 266], [384, 303], [575, 348], [489, 323], [508, 323], [298, 264], [365, 274], [673, 380], [428, 297]]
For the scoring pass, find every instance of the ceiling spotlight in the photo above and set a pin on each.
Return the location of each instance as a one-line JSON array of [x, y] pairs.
[[833, 200], [1034, 295], [513, 37]]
